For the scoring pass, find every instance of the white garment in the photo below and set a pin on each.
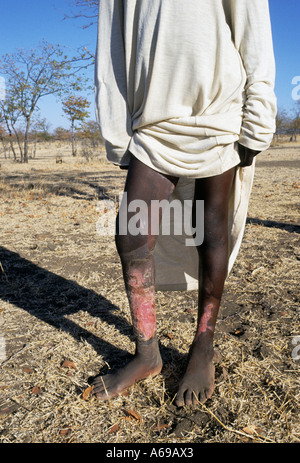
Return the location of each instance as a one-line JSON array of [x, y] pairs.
[[178, 83], [177, 265]]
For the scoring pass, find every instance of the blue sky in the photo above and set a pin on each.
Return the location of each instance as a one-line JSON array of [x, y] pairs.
[[24, 23]]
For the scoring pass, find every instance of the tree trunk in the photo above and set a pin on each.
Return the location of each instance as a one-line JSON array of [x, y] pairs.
[[4, 147], [26, 139], [25, 158], [10, 138], [73, 140], [19, 144]]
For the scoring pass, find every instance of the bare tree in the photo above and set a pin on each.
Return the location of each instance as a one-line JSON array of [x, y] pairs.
[[283, 122], [295, 125], [33, 74], [10, 114], [87, 10], [3, 137], [40, 131], [75, 109]]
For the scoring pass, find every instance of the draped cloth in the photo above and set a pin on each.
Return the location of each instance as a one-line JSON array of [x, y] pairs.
[[177, 265]]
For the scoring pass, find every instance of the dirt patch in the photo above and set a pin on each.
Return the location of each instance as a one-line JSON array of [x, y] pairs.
[[62, 298]]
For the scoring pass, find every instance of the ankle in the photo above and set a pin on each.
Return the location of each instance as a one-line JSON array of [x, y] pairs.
[[149, 349], [204, 342]]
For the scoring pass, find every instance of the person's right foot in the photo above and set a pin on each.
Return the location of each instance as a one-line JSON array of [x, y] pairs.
[[147, 362]]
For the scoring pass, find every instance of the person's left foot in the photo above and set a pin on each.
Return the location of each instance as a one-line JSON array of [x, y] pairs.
[[198, 383]]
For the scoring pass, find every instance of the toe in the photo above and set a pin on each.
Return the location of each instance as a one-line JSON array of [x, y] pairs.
[[195, 399], [203, 397], [180, 397], [99, 385], [102, 396], [209, 392], [179, 401], [188, 397]]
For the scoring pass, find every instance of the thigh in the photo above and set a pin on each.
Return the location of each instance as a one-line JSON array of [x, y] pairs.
[[215, 192], [145, 185]]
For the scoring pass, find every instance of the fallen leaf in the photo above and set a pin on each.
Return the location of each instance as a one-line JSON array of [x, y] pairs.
[[133, 415], [87, 392], [162, 425], [114, 428], [27, 370], [65, 432], [89, 323], [68, 364], [36, 390], [252, 430]]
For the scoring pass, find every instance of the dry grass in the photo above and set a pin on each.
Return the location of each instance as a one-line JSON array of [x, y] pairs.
[[62, 298]]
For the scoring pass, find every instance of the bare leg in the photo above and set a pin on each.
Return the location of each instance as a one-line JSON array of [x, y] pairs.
[[136, 254], [198, 381]]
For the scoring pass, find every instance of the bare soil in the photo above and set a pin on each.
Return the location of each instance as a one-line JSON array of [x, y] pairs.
[[64, 315]]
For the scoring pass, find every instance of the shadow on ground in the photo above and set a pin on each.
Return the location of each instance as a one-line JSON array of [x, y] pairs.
[[51, 298], [289, 227]]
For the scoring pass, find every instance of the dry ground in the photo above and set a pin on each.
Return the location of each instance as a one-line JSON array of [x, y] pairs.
[[62, 299]]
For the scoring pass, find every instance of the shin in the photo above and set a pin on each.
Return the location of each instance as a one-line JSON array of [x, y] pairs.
[[136, 250], [213, 253]]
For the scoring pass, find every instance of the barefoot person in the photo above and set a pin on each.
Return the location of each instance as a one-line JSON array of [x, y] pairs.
[[185, 100]]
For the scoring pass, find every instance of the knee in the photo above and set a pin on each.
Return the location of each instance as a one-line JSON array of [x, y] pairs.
[[134, 246]]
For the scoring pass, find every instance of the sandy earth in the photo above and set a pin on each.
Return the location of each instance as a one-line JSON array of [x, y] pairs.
[[64, 315]]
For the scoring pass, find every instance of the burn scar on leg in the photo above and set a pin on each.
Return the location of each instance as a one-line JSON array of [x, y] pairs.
[[142, 302], [204, 324], [138, 270], [136, 254]]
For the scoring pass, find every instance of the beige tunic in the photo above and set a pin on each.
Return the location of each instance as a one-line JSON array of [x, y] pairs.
[[178, 84]]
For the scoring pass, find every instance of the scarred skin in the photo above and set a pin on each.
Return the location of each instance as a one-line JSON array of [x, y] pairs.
[[141, 296], [136, 254]]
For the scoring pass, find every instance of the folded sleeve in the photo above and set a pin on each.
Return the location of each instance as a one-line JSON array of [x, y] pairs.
[[252, 35], [110, 83]]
